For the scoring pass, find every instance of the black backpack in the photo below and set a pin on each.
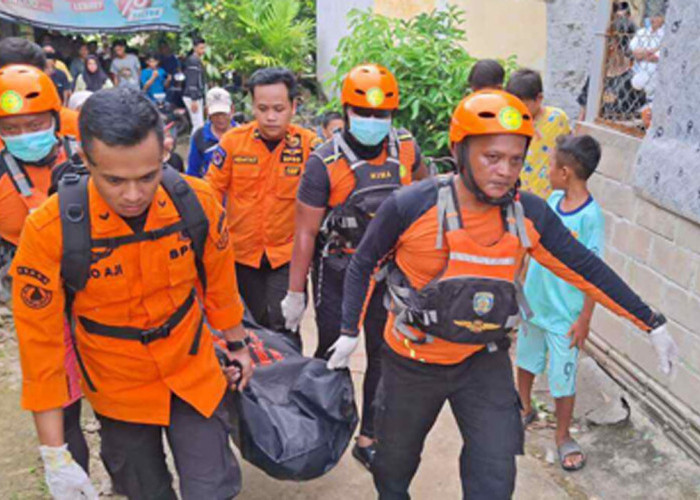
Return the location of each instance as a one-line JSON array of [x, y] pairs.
[[78, 243]]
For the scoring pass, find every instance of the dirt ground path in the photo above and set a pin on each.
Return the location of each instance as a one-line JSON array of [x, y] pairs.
[[632, 461]]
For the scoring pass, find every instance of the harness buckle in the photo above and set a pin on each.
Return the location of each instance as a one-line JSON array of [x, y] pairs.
[[159, 332]]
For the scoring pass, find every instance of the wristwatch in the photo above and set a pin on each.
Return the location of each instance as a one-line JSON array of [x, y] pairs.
[[237, 345]]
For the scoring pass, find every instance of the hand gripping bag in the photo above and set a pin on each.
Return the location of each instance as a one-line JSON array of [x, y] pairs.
[[295, 418]]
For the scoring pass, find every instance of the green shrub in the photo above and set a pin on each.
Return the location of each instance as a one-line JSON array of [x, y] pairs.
[[427, 58], [248, 34]]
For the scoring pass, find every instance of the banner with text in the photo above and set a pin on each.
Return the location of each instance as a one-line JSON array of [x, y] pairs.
[[93, 16]]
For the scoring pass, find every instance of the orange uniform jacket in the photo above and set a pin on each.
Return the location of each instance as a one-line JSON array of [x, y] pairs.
[[406, 225], [138, 285], [261, 187], [14, 207]]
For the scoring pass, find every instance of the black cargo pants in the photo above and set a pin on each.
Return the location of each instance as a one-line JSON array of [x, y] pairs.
[[327, 284], [485, 404], [134, 457]]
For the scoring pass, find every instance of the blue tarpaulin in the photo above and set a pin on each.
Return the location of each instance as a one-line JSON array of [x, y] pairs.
[[93, 16]]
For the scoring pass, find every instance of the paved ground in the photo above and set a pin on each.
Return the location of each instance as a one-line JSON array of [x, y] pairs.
[[632, 461]]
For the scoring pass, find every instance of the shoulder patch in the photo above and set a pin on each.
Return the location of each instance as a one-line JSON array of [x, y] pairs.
[[218, 157], [36, 297], [404, 135], [326, 153]]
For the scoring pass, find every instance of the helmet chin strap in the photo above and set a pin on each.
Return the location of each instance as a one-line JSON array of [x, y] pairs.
[[467, 176]]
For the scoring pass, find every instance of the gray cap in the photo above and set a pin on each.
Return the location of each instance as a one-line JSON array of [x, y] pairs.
[[218, 101]]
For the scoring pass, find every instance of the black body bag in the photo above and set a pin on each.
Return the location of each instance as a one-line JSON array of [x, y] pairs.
[[295, 418]]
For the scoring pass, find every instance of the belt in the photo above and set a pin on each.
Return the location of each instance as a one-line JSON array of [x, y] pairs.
[[145, 336]]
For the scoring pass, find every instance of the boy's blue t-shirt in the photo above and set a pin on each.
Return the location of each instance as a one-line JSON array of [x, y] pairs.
[[158, 86], [556, 304]]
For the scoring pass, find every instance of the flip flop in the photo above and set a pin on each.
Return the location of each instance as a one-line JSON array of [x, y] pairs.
[[529, 418], [567, 449]]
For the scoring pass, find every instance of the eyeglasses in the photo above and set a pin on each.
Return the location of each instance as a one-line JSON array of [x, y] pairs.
[[621, 6]]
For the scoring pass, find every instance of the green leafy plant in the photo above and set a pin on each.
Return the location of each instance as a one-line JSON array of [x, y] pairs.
[[427, 58], [248, 34]]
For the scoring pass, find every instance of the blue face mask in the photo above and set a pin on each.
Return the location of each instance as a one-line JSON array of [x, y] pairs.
[[369, 131], [31, 147]]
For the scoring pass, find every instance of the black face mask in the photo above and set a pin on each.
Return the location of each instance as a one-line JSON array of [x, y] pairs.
[[467, 176]]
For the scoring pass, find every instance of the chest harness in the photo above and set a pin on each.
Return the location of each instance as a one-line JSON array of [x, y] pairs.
[[476, 298], [345, 224], [80, 250], [31, 199], [21, 181]]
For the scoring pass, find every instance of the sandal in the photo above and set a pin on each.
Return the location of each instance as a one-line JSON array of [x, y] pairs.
[[567, 449], [530, 417]]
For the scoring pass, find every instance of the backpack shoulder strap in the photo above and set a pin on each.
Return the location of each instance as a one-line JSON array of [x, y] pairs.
[[449, 217], [75, 228], [17, 174], [192, 214], [340, 144]]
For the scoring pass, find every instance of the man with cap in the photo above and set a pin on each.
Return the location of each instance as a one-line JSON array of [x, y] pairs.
[[205, 139]]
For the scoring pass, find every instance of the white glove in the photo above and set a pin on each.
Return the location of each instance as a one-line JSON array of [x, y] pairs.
[[341, 351], [666, 349], [293, 307], [64, 477]]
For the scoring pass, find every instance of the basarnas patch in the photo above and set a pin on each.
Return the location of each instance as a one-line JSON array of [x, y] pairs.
[[218, 157], [36, 297]]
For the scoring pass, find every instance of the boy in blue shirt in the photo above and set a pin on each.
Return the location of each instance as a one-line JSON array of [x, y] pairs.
[[154, 79], [562, 314]]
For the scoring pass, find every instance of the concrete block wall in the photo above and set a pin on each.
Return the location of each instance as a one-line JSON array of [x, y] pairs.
[[570, 33], [658, 253]]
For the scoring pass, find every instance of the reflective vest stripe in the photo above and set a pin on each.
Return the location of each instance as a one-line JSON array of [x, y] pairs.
[[478, 259]]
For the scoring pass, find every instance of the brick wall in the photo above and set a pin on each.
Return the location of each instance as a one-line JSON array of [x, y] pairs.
[[658, 254]]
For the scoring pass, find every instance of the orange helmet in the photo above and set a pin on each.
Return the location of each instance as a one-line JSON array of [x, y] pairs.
[[26, 90], [490, 112], [370, 86]]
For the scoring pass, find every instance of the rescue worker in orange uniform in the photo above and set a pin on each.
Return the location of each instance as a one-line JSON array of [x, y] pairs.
[[345, 181], [15, 50], [32, 147], [136, 257], [456, 243], [32, 144], [257, 168]]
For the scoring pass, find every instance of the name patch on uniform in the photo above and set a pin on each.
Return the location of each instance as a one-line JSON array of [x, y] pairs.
[[292, 155], [382, 174], [218, 157], [292, 170], [107, 272], [33, 273], [36, 297], [248, 160]]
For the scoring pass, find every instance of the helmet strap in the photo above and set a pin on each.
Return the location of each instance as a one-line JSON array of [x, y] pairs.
[[467, 176]]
